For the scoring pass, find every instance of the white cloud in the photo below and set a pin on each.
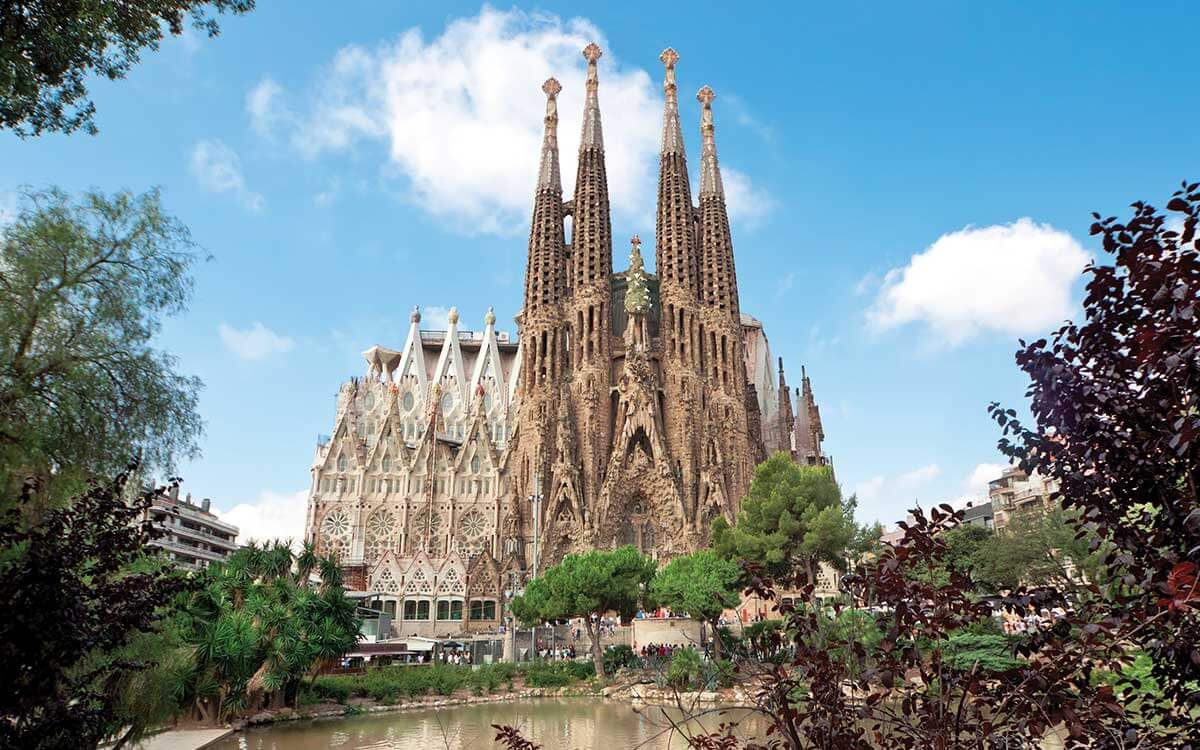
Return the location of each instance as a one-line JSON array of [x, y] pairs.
[[784, 285], [897, 487], [744, 201], [435, 318], [977, 482], [462, 116], [919, 476], [271, 516], [255, 342], [9, 207], [264, 104], [218, 169], [1011, 278]]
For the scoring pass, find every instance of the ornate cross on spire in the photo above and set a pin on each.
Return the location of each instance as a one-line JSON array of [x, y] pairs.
[[592, 134], [672, 135], [710, 173], [548, 174]]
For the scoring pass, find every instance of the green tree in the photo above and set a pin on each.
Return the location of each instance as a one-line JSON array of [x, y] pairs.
[[49, 49], [586, 585], [1035, 549], [80, 599], [963, 545], [84, 285], [258, 626], [703, 584], [793, 519]]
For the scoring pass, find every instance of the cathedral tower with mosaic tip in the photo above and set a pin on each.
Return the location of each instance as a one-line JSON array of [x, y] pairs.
[[631, 408]]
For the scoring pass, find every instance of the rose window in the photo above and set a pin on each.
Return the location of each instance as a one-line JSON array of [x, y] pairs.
[[335, 531], [379, 533]]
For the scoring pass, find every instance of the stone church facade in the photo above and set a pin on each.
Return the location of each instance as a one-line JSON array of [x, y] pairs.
[[633, 410]]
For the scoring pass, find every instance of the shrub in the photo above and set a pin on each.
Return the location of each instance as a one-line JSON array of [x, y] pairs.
[[687, 668], [619, 657], [557, 674], [993, 653]]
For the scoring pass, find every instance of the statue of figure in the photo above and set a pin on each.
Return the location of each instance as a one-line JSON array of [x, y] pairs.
[[637, 298]]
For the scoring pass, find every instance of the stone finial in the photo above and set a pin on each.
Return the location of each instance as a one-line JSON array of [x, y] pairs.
[[592, 136], [669, 57], [452, 318], [592, 53], [415, 315], [710, 172], [637, 294], [672, 134], [489, 318], [548, 171]]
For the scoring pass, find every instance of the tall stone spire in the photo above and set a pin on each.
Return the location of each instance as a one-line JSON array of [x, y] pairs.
[[542, 335], [591, 236], [589, 317], [710, 172], [546, 253], [592, 135], [720, 278], [676, 258]]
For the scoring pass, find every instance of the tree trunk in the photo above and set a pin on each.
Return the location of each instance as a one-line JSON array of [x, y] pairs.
[[811, 564], [716, 637], [593, 631]]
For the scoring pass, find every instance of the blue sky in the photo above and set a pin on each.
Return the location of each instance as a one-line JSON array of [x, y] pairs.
[[911, 189]]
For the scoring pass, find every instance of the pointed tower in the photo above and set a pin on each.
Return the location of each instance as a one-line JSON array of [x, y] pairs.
[[542, 335], [725, 383], [677, 264], [589, 316], [787, 418]]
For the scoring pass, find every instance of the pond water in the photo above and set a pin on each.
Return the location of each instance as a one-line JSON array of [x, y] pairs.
[[552, 723]]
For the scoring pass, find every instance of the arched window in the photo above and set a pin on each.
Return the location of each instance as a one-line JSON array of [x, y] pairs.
[[476, 464], [408, 401], [447, 402], [387, 463], [342, 462]]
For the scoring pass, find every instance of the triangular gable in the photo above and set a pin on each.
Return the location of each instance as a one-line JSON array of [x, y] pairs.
[[386, 576], [489, 372], [483, 577], [409, 375], [448, 372], [419, 577], [452, 577]]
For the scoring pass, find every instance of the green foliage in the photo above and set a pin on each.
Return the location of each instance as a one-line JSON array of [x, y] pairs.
[[1135, 681], [686, 669], [993, 653], [555, 674], [81, 598], [581, 585], [389, 685], [1035, 549], [701, 584], [794, 516], [963, 544], [48, 51], [619, 657], [258, 627], [85, 285]]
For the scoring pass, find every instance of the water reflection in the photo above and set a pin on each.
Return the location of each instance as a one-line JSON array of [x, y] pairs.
[[567, 723]]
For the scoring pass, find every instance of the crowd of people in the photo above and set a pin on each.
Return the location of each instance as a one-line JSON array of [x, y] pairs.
[[1032, 621]]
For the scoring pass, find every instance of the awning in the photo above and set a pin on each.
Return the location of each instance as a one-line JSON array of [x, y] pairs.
[[420, 644]]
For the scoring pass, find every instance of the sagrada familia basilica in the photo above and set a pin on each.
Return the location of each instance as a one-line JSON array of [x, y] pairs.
[[632, 408]]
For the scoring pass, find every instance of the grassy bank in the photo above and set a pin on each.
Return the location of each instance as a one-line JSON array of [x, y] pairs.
[[389, 685]]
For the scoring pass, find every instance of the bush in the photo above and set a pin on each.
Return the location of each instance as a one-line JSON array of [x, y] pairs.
[[686, 670], [557, 674], [619, 657], [993, 653]]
